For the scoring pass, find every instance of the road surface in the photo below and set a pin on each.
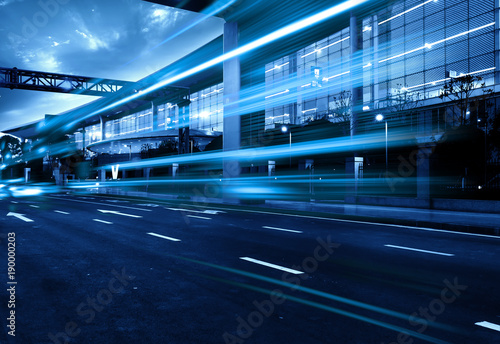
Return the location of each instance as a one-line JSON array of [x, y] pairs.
[[94, 269]]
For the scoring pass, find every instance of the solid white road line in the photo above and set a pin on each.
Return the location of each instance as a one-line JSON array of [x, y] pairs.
[[104, 204], [117, 213], [489, 325], [61, 212], [164, 237], [356, 221], [282, 229], [418, 250], [199, 217], [34, 206], [274, 266], [20, 217], [207, 211], [102, 221]]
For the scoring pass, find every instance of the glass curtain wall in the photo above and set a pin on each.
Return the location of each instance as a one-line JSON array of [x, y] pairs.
[[411, 47]]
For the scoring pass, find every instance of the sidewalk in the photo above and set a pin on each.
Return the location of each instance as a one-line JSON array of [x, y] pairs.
[[471, 222]]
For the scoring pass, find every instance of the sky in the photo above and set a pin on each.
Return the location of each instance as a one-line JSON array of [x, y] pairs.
[[115, 39]]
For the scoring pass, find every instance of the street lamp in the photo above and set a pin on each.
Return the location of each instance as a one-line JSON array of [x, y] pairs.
[[485, 147], [380, 118], [284, 129]]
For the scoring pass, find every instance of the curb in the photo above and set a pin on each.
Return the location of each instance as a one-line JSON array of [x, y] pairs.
[[308, 209]]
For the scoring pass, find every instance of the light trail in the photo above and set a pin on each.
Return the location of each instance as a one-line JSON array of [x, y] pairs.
[[256, 44], [335, 145]]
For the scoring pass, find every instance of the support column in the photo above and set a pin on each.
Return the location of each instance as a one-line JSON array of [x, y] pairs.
[[292, 108], [355, 164], [147, 174], [497, 42], [184, 126], [232, 84], [423, 172], [426, 147], [154, 114], [102, 128], [374, 67], [83, 139], [102, 175], [356, 68]]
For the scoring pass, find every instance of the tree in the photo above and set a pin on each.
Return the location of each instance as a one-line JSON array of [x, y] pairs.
[[11, 155], [459, 90], [342, 111], [215, 144], [11, 150], [403, 103], [167, 147]]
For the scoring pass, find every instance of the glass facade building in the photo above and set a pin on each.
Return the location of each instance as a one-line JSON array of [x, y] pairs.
[[205, 113], [411, 46]]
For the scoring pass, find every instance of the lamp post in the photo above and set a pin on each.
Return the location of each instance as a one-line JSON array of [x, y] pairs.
[[284, 129], [485, 148], [380, 118]]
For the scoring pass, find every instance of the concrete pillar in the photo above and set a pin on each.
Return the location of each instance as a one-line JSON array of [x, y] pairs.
[[147, 173], [83, 139], [102, 128], [154, 115], [423, 172], [354, 173], [232, 84], [374, 68], [183, 137], [356, 68], [271, 168], [27, 174], [425, 149], [292, 108], [497, 42], [102, 175]]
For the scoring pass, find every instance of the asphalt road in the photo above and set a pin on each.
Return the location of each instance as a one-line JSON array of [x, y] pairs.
[[92, 269]]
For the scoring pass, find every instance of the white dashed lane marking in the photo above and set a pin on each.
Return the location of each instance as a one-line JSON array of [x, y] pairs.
[[270, 265], [489, 325], [164, 237], [199, 217], [419, 250], [102, 221], [282, 229]]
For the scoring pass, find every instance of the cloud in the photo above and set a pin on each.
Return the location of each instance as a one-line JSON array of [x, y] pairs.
[[40, 59], [48, 62], [93, 41], [55, 44], [6, 2], [161, 17]]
